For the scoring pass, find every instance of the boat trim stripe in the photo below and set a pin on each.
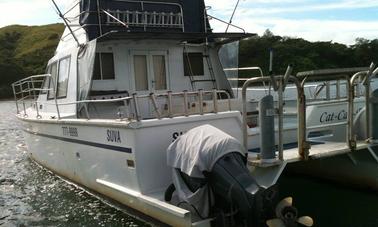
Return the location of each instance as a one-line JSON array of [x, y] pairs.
[[83, 142]]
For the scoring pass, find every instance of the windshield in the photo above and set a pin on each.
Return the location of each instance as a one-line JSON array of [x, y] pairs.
[[229, 57]]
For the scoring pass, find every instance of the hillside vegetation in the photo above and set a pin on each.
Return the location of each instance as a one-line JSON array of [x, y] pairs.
[[24, 51], [305, 55]]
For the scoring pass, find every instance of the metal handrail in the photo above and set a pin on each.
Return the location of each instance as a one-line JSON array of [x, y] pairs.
[[365, 77], [303, 149], [320, 87], [101, 11], [168, 96], [365, 74], [135, 98], [18, 89]]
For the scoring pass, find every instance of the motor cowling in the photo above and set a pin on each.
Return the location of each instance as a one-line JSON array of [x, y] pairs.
[[210, 174]]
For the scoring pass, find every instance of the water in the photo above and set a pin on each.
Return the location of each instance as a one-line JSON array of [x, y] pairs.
[[32, 196]]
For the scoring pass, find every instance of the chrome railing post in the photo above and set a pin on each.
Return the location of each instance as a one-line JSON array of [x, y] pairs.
[[55, 99], [154, 103], [280, 84], [338, 89], [244, 113], [170, 104], [15, 98], [136, 107], [186, 103], [372, 73], [351, 140], [23, 104], [328, 90], [200, 101], [367, 83], [215, 100], [303, 146]]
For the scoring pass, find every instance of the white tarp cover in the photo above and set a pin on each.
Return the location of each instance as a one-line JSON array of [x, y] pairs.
[[194, 152], [86, 59], [200, 148]]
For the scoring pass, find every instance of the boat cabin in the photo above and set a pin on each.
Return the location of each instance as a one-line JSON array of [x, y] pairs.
[[117, 49]]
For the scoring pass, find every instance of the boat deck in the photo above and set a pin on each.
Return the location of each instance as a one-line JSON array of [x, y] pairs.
[[317, 151]]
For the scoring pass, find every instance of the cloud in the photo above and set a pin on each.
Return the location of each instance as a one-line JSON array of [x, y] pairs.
[[255, 16], [29, 12], [303, 7], [272, 14]]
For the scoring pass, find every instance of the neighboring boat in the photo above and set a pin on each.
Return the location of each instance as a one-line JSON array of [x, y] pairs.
[[136, 106], [327, 120]]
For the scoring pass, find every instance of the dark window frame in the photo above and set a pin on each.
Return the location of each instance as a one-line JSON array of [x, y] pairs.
[[189, 59], [101, 70]]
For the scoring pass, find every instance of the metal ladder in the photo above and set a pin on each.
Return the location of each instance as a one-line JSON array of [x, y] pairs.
[[211, 71]]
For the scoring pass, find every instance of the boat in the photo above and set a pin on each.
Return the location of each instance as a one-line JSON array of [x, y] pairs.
[[327, 115], [135, 105]]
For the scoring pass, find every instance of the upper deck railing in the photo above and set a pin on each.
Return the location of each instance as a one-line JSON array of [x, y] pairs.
[[141, 16]]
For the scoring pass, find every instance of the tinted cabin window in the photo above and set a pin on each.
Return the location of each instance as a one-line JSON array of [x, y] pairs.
[[193, 64], [104, 67], [64, 69], [52, 81]]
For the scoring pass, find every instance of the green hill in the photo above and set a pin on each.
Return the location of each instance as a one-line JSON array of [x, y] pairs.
[[24, 51], [305, 55]]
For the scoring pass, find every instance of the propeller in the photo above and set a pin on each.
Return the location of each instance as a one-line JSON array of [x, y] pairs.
[[287, 216]]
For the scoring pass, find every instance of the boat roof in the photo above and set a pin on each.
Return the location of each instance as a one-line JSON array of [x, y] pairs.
[[192, 37]]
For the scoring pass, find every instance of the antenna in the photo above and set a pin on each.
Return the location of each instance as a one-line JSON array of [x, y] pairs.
[[232, 16], [65, 22]]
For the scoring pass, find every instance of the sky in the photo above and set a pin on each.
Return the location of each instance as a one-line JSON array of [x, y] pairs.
[[322, 20]]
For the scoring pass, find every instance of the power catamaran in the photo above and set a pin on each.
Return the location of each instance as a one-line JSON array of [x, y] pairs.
[[327, 120], [136, 106]]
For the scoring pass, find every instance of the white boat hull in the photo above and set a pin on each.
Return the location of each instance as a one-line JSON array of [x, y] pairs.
[[111, 158]]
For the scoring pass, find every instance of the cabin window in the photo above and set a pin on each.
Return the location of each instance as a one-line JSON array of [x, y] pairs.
[[46, 81], [141, 74], [160, 73], [193, 64], [53, 72], [64, 68], [104, 67]]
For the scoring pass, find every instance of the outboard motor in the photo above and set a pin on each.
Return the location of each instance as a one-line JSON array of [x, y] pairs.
[[210, 175]]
